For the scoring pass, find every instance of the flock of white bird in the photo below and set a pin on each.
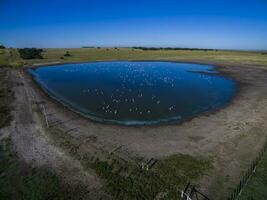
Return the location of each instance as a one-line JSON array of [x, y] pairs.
[[129, 85]]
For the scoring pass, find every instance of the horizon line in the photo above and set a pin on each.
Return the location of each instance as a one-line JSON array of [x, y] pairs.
[[137, 46]]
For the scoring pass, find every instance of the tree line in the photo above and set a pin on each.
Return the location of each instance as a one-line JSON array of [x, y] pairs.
[[30, 53], [172, 48]]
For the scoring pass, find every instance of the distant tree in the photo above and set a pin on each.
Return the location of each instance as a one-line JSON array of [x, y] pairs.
[[89, 47], [170, 48], [2, 46], [30, 53], [67, 54]]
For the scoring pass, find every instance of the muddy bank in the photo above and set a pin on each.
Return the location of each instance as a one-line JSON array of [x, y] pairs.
[[172, 120]]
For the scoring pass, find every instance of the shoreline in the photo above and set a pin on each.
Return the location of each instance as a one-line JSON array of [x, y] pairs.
[[231, 136], [161, 122]]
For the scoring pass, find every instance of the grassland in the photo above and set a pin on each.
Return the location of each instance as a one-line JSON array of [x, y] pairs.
[[257, 59], [10, 58], [257, 185]]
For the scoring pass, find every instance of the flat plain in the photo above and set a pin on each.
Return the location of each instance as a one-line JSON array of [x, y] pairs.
[[212, 150]]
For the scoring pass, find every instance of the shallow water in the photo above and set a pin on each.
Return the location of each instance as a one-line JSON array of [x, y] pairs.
[[136, 92]]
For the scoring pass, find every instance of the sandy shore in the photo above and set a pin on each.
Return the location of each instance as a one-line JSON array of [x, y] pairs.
[[231, 136]]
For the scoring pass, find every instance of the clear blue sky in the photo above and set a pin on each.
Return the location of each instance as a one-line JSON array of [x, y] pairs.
[[226, 24]]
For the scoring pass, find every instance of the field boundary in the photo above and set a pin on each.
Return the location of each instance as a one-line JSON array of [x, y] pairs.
[[248, 174]]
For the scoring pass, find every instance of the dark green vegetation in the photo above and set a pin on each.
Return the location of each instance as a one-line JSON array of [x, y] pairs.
[[126, 179], [172, 48], [166, 179], [67, 54], [30, 53], [5, 99], [89, 47], [257, 185], [21, 182], [2, 46]]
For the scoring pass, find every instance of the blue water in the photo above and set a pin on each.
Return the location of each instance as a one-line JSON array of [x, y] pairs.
[[134, 93]]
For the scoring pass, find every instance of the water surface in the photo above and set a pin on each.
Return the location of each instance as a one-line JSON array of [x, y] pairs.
[[136, 92]]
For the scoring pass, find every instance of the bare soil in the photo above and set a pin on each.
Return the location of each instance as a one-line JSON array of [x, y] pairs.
[[33, 146]]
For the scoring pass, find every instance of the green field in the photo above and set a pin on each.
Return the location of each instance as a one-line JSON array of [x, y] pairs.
[[258, 59], [257, 186]]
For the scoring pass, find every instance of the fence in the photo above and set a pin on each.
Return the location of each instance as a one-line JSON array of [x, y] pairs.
[[191, 193], [248, 175]]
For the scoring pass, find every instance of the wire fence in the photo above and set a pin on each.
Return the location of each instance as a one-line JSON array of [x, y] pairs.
[[191, 193], [248, 174]]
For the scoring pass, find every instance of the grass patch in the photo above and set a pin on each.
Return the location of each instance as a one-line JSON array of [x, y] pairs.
[[30, 53], [5, 99], [166, 179], [182, 168], [257, 185], [10, 58], [19, 181], [127, 180]]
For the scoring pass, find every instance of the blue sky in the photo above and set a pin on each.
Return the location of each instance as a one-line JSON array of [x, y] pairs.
[[224, 24]]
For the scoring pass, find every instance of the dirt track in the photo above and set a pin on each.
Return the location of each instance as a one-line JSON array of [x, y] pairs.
[[34, 147], [232, 136]]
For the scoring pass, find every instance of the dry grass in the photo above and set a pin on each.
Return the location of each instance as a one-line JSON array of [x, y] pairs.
[[20, 181], [5, 99], [258, 59]]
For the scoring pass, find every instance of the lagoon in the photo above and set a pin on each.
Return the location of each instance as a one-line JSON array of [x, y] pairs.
[[136, 93]]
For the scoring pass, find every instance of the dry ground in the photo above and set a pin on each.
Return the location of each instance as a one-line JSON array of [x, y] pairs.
[[33, 146]]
